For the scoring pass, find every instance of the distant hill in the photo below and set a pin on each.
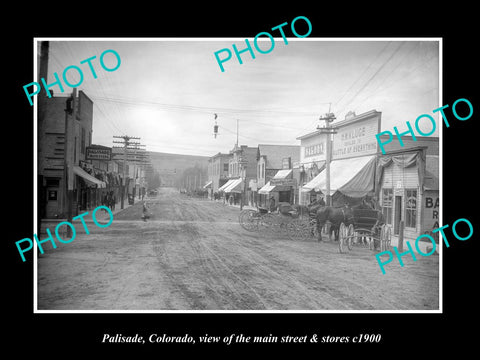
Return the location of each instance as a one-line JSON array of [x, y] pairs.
[[165, 162], [171, 166]]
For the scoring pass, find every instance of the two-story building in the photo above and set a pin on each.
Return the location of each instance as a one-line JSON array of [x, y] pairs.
[[63, 137], [218, 170], [403, 183], [242, 167], [275, 164]]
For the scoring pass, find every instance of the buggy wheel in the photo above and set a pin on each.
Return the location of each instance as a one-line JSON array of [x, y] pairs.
[[371, 243], [248, 220], [303, 228], [385, 238], [313, 228], [293, 230], [269, 222], [342, 237], [298, 229], [350, 235]]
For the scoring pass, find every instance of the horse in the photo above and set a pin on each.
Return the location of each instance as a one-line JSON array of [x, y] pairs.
[[336, 216]]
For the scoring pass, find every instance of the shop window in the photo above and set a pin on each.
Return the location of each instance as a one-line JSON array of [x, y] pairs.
[[52, 194], [225, 167], [284, 196], [411, 208], [387, 205]]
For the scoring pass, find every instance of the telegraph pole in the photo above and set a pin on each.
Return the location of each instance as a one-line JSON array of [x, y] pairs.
[[328, 130], [126, 142], [70, 106]]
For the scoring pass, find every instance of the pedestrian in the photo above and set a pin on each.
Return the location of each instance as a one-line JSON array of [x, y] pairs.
[[107, 200], [112, 201], [145, 215], [272, 204]]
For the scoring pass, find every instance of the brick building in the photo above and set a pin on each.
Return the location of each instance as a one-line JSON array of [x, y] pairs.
[[64, 132]]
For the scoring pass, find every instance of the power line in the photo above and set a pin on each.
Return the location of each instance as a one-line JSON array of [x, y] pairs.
[[200, 109], [373, 76], [364, 72], [381, 83]]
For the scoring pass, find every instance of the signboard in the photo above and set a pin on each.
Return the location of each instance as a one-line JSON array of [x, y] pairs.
[[356, 136], [94, 153], [431, 210], [315, 149], [283, 182]]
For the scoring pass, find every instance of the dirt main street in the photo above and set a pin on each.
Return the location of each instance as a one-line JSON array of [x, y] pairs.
[[193, 255]]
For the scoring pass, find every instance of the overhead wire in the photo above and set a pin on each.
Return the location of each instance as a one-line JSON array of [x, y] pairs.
[[363, 73], [386, 77], [68, 54], [373, 76]]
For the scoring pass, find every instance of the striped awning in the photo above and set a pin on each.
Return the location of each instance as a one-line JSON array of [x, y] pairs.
[[283, 174], [234, 187], [77, 170], [266, 189], [224, 186]]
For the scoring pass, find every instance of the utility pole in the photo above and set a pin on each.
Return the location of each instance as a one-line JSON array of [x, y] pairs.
[[237, 132], [67, 165], [328, 130], [41, 101], [126, 142]]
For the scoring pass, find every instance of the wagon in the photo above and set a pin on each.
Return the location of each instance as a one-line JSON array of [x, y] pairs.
[[364, 225], [286, 221]]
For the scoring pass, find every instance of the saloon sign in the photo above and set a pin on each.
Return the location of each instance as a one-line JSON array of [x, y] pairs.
[[94, 153], [356, 136]]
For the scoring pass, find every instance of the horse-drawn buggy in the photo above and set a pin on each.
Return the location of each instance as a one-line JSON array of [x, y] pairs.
[[361, 226], [364, 226], [292, 220]]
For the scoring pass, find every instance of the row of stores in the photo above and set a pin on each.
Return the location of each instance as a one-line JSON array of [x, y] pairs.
[[403, 183]]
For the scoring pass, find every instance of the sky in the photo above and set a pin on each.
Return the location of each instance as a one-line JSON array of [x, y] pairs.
[[168, 91]]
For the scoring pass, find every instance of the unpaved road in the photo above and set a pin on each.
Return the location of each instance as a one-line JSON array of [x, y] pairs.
[[193, 255]]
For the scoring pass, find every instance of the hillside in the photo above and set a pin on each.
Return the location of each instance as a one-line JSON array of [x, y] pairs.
[[171, 166], [165, 162]]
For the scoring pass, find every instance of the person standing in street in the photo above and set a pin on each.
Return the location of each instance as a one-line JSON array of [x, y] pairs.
[[272, 204], [145, 215], [112, 201]]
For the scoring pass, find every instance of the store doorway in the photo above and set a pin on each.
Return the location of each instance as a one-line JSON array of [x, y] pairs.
[[52, 188], [398, 215], [284, 196]]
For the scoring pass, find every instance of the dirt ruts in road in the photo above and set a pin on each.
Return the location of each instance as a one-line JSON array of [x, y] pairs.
[[193, 255]]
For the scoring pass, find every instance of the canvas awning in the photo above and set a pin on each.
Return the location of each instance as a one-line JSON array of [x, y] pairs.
[[77, 170], [343, 175], [224, 186], [283, 174], [266, 189], [362, 183], [234, 187], [207, 185]]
